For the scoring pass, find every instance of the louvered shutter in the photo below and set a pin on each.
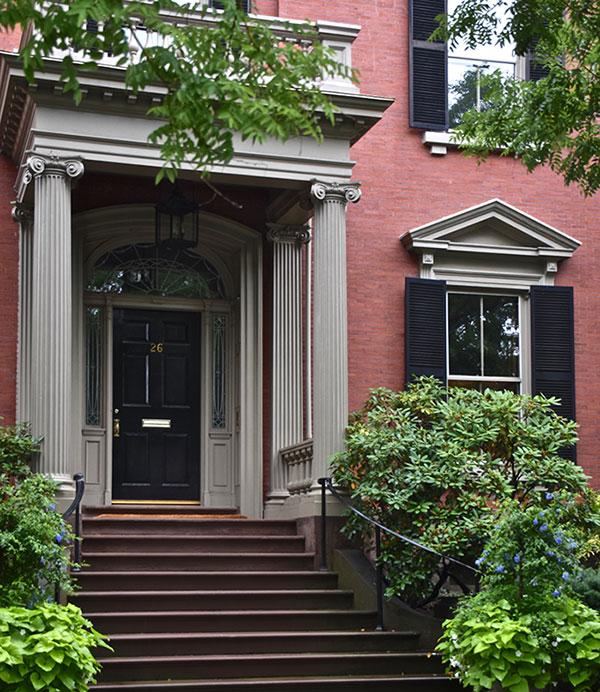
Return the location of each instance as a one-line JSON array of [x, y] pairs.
[[425, 328], [553, 351], [218, 5], [428, 67], [534, 69]]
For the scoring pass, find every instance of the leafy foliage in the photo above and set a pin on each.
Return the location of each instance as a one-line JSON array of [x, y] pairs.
[[47, 648], [17, 445], [221, 72], [587, 587], [435, 464], [552, 121], [34, 540], [525, 628], [523, 646]]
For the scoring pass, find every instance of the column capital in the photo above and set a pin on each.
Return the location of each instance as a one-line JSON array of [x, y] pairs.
[[38, 165], [284, 233], [324, 191], [22, 213]]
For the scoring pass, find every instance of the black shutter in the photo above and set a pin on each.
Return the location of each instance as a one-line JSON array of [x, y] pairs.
[[534, 69], [425, 328], [428, 67], [218, 5], [553, 350]]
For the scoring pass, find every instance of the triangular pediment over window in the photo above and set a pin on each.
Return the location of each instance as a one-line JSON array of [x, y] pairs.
[[492, 244]]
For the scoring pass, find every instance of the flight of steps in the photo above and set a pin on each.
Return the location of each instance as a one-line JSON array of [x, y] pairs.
[[218, 603]]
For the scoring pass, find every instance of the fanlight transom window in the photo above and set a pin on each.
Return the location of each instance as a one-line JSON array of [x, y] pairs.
[[149, 270]]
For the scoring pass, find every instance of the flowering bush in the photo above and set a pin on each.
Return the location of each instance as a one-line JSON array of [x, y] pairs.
[[525, 628], [17, 445], [33, 541], [435, 464]]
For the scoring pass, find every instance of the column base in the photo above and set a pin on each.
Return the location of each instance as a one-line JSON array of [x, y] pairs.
[[304, 505], [276, 499], [65, 491]]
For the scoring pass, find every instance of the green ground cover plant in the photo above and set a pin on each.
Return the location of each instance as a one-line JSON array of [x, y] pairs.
[[47, 648], [436, 464]]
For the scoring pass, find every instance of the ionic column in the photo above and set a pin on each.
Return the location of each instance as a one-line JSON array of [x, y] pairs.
[[23, 215], [287, 404], [50, 404], [330, 337]]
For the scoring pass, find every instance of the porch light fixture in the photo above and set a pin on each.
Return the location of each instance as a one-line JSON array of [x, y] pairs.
[[177, 222]]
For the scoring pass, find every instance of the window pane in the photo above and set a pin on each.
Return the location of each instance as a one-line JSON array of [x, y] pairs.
[[501, 336], [92, 366], [481, 385], [464, 340], [465, 91]]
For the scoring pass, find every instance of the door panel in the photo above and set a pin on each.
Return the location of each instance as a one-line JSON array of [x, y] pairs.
[[156, 379]]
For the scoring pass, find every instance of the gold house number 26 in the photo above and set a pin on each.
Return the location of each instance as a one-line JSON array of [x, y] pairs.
[[156, 347]]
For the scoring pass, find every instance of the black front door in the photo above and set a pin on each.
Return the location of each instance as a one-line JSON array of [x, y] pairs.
[[156, 399]]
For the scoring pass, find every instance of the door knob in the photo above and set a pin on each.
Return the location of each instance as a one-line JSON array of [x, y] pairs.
[[116, 427]]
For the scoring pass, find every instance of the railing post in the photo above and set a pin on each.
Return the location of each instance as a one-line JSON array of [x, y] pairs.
[[322, 482], [379, 626]]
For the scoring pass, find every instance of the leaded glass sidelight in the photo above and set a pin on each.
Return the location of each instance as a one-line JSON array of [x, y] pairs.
[[93, 325], [149, 270], [219, 333]]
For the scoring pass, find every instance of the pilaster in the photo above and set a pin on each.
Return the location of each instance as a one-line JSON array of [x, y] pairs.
[[23, 215], [287, 403], [51, 308], [330, 339]]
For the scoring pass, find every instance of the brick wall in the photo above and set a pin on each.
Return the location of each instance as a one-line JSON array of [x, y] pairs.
[[404, 186]]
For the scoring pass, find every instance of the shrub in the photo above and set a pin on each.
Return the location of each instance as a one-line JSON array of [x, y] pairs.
[[47, 648], [435, 464], [525, 628], [17, 445], [587, 587], [34, 540]]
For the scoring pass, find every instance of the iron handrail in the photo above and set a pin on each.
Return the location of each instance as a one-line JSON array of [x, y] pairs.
[[75, 506], [326, 484]]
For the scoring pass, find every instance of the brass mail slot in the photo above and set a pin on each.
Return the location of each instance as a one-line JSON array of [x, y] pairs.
[[156, 422]]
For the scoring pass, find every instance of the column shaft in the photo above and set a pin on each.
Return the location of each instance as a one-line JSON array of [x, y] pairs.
[[287, 404], [330, 337], [52, 312], [24, 215]]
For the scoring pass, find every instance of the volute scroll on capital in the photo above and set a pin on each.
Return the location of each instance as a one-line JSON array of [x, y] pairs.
[[335, 192], [22, 213], [38, 165], [287, 233]]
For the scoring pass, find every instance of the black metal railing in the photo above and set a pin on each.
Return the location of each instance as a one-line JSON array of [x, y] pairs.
[[326, 484], [75, 506]]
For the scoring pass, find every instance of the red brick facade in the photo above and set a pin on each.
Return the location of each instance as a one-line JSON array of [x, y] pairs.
[[403, 186]]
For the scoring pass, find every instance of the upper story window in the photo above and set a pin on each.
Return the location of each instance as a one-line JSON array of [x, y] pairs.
[[445, 84], [466, 66]]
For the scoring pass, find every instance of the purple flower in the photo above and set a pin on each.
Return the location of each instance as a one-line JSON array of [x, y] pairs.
[[558, 540], [544, 527], [478, 562], [565, 575], [517, 558], [549, 496], [500, 568], [556, 592], [535, 522]]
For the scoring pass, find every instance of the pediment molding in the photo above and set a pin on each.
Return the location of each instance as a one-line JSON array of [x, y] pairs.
[[493, 243]]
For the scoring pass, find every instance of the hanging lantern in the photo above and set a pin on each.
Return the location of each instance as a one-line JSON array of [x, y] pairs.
[[177, 222]]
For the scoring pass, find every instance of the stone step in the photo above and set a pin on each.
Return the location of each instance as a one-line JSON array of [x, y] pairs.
[[180, 581], [143, 601], [186, 525], [292, 620], [210, 562], [196, 643], [268, 665], [192, 544], [371, 683], [154, 508]]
